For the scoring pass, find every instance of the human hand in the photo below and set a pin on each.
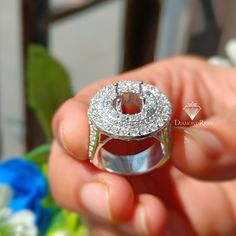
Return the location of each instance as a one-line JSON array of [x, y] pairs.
[[194, 194]]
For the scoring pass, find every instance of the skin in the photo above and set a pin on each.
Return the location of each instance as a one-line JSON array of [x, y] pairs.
[[193, 194]]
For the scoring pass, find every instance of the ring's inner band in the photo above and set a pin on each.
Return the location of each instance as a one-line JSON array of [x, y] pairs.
[[139, 162]]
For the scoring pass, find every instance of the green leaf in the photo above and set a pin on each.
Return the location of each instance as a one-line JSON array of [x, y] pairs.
[[67, 222], [48, 85], [39, 155]]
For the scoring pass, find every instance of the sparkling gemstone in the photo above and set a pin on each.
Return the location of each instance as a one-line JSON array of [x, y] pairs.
[[106, 114]]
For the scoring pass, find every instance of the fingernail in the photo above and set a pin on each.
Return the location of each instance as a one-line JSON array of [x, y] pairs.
[[206, 140], [62, 141], [95, 198], [141, 220]]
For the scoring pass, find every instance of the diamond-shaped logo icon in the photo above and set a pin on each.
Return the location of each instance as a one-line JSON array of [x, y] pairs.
[[192, 109]]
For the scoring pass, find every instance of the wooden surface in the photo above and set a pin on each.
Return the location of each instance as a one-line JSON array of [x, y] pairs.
[[141, 25], [35, 29]]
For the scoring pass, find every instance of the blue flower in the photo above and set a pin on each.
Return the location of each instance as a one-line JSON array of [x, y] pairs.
[[28, 183]]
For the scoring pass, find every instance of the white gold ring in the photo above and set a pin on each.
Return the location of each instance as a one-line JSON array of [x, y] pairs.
[[109, 120]]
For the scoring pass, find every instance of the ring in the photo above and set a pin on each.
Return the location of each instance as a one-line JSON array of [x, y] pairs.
[[133, 113]]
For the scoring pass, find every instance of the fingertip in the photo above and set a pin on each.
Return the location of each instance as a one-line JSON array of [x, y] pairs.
[[150, 216], [187, 155], [94, 197], [121, 196], [71, 130], [200, 153], [73, 137]]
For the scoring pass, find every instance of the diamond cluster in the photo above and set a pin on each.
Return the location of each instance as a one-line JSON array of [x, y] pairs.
[[105, 114]]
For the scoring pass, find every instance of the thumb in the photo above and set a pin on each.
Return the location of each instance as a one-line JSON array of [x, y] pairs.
[[207, 151]]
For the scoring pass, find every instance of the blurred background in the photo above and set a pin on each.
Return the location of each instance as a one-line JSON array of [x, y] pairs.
[[94, 39]]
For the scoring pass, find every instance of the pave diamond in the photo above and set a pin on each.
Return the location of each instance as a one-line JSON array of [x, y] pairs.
[[106, 116]]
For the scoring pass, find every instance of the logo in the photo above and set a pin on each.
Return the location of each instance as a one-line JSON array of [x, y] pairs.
[[192, 109]]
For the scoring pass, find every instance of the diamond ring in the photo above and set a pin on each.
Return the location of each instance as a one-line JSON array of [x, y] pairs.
[[130, 112]]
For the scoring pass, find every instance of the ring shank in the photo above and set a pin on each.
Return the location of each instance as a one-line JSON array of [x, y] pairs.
[[142, 162]]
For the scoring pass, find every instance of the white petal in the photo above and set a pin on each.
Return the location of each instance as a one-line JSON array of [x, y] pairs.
[[22, 230], [61, 233], [230, 50], [32, 231], [219, 61], [25, 217], [23, 223]]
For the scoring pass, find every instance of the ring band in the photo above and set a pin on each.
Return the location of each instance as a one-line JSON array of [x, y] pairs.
[[109, 120]]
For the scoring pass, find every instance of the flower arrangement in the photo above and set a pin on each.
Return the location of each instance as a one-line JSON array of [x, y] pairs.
[[26, 205]]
